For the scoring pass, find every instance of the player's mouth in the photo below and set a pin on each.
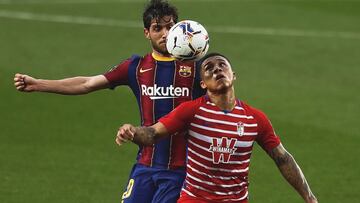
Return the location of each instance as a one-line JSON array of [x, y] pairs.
[[219, 77]]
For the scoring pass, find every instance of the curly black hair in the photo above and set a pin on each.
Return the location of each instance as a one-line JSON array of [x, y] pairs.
[[157, 9]]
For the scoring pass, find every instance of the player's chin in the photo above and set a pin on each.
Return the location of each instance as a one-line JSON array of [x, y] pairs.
[[163, 50], [162, 46], [222, 86], [222, 82]]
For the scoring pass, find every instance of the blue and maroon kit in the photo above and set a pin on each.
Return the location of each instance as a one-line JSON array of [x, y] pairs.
[[160, 84]]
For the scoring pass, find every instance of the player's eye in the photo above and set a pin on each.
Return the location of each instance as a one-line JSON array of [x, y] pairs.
[[209, 68], [157, 28], [170, 26]]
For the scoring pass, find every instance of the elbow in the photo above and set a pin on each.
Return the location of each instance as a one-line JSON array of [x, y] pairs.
[[283, 159], [88, 86], [95, 83]]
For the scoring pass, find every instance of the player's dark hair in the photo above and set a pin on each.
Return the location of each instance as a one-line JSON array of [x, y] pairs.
[[157, 9], [199, 63]]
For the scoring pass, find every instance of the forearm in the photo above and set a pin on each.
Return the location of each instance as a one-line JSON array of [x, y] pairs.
[[293, 174], [144, 136], [68, 86]]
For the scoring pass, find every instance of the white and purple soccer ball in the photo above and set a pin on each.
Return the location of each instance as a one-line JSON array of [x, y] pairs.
[[187, 40]]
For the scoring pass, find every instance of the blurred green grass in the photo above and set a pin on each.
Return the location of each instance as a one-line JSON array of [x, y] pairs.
[[61, 148]]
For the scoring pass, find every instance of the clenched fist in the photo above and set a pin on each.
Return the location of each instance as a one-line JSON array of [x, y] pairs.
[[24, 83], [125, 133]]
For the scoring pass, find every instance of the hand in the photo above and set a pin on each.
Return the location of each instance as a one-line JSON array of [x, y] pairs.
[[124, 134], [24, 83]]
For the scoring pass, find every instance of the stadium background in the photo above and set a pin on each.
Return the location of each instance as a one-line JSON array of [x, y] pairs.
[[298, 61]]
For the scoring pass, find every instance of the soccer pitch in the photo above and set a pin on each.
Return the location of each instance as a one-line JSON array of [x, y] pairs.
[[297, 60]]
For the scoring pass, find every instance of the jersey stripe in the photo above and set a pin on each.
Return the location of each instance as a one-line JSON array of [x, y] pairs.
[[211, 176], [162, 149], [218, 169], [212, 191], [147, 105], [184, 76], [223, 122], [221, 131]]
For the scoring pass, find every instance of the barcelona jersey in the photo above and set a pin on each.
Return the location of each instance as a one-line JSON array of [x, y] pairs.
[[160, 84]]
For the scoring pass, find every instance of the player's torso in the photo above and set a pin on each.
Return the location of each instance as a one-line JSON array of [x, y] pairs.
[[219, 149], [160, 86]]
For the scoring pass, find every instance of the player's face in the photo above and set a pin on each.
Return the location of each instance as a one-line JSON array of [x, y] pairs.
[[158, 32], [217, 74]]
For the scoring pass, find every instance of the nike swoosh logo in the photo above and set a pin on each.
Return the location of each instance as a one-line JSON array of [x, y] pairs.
[[144, 70]]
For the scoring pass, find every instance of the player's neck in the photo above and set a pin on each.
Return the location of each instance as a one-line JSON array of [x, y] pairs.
[[225, 100], [161, 58], [156, 53]]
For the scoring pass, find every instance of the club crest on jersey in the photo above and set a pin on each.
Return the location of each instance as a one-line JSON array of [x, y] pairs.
[[222, 149], [240, 128], [185, 71]]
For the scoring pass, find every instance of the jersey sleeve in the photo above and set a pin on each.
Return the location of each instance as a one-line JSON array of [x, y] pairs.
[[119, 74], [179, 118], [267, 137]]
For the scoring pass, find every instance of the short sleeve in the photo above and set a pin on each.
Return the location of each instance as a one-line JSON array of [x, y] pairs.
[[179, 118], [119, 74], [267, 137]]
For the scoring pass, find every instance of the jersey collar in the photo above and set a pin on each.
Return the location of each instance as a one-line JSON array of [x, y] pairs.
[[237, 102], [161, 58]]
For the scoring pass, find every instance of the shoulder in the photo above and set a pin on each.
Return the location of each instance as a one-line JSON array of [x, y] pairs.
[[255, 112], [193, 104], [137, 58], [125, 63]]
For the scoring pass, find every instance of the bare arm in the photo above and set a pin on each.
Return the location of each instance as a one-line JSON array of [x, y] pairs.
[[292, 173], [141, 135], [67, 86]]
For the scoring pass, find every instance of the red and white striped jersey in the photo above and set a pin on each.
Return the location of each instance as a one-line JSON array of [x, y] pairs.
[[219, 147]]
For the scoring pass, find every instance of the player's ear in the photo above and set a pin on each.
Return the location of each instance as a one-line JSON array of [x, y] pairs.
[[203, 85], [147, 33], [234, 75]]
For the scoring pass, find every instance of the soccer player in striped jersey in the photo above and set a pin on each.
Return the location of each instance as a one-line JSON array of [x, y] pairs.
[[160, 83], [221, 134]]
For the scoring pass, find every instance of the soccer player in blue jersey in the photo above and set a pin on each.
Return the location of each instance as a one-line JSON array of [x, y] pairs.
[[160, 83]]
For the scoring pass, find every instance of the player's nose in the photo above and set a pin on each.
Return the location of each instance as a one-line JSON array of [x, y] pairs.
[[217, 69], [165, 32]]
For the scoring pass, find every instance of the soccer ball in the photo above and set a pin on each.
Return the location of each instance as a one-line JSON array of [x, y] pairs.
[[187, 40]]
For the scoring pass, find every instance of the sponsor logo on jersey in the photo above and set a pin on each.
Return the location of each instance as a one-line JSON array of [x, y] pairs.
[[155, 92], [222, 149], [143, 70], [185, 71]]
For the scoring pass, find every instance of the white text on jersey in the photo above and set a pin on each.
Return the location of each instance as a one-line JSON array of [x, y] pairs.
[[156, 92]]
